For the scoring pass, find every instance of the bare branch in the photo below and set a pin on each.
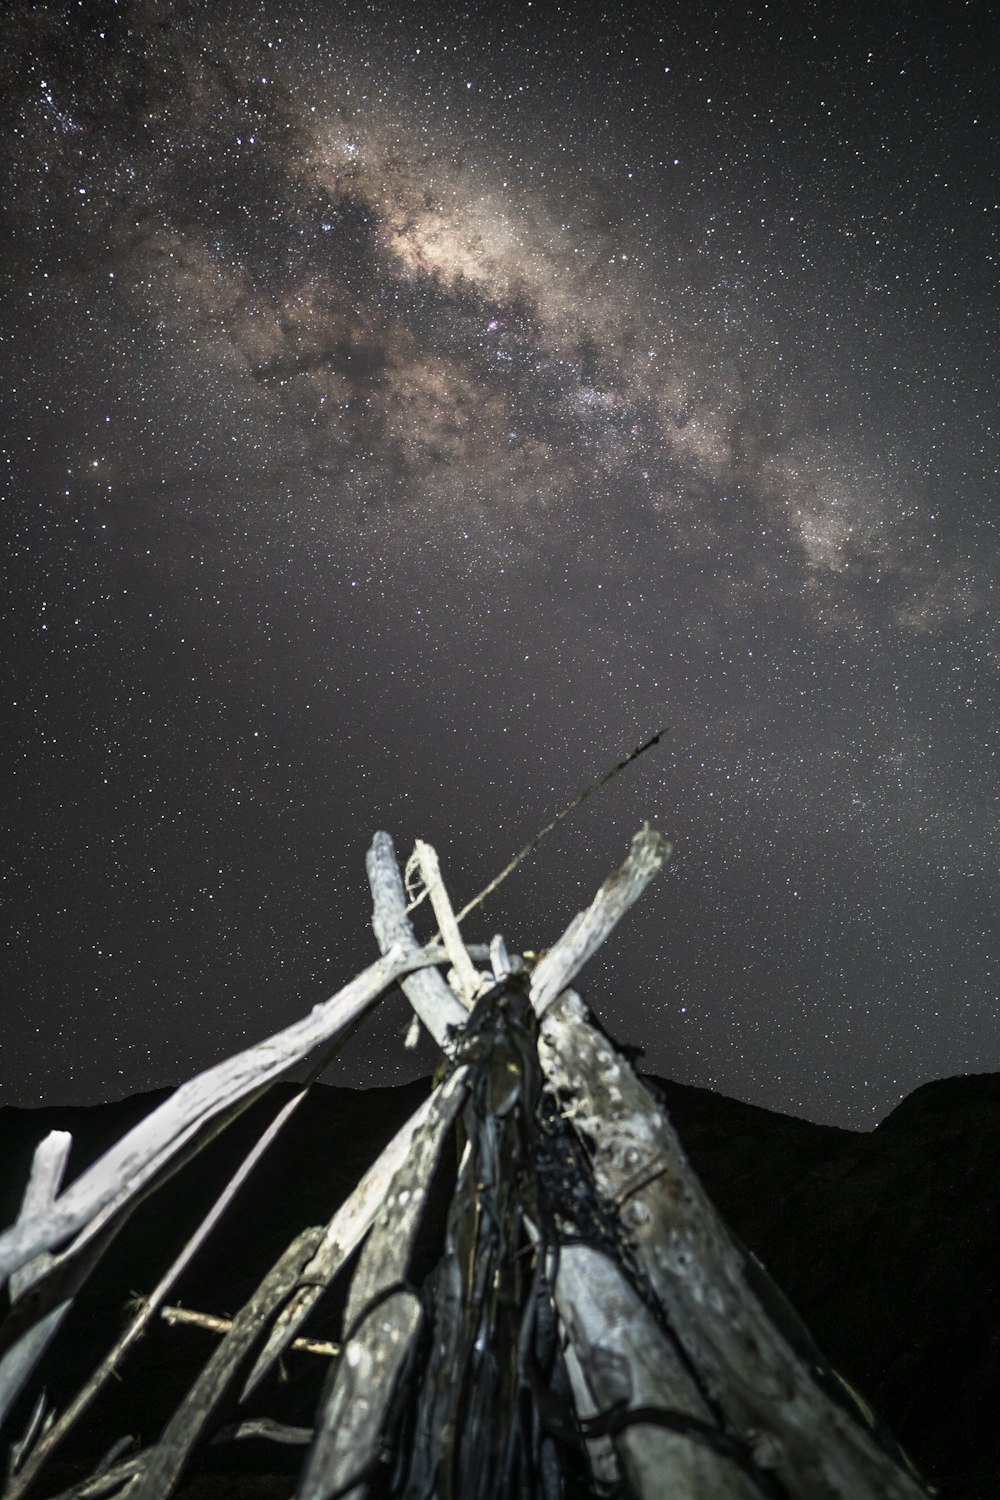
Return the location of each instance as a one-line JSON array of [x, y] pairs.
[[469, 981], [95, 1196], [587, 931], [427, 992], [211, 1324]]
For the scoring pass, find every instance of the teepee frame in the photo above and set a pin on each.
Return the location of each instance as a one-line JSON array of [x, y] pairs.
[[592, 1326]]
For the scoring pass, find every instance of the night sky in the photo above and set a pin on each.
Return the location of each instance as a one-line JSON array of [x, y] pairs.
[[406, 411]]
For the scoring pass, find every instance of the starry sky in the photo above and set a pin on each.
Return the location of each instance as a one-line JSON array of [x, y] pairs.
[[406, 410]]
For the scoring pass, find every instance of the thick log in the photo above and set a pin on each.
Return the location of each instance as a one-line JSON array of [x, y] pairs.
[[626, 1361], [344, 1451], [341, 1237], [605, 1474], [141, 1155], [768, 1395], [558, 968]]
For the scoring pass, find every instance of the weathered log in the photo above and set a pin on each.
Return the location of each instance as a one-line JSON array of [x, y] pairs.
[[344, 1451], [627, 1362], [145, 1150], [117, 1478], [501, 962], [605, 1473], [341, 1237], [108, 1366], [381, 1320], [648, 854], [769, 1397]]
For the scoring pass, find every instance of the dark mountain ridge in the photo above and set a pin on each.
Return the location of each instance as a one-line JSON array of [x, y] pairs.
[[886, 1242]]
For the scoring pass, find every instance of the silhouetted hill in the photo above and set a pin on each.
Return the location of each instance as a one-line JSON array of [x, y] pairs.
[[886, 1242]]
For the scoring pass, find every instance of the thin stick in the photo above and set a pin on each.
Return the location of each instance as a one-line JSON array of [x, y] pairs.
[[533, 843], [648, 853], [212, 1324], [470, 982]]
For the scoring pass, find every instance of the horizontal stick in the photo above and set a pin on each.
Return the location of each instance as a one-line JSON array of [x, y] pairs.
[[769, 1396], [192, 1319]]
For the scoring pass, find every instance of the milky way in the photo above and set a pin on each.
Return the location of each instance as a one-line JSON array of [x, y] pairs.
[[407, 413]]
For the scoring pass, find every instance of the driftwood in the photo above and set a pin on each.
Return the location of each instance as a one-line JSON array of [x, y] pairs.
[[141, 1155], [382, 1321], [17, 1363], [437, 1007], [628, 1364], [166, 1462], [643, 1348], [340, 1239], [108, 1367], [589, 929], [769, 1396]]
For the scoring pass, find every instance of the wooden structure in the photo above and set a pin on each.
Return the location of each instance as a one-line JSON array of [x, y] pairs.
[[590, 1328]]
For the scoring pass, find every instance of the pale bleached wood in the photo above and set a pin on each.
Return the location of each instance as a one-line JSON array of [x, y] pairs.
[[558, 968], [116, 1478], [625, 1358], [142, 1153], [341, 1237], [264, 1427], [380, 1323], [109, 1365], [344, 1451], [387, 1250], [767, 1393], [47, 1167], [553, 823], [469, 982], [502, 963], [605, 1474], [438, 1008]]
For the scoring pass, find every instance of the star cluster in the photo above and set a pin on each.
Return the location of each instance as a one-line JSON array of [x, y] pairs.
[[406, 411]]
